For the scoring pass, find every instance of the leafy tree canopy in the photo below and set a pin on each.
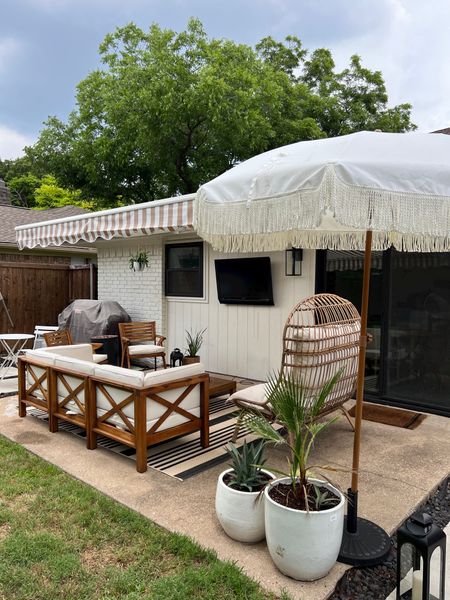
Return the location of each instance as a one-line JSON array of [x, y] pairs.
[[50, 195], [169, 111], [40, 193]]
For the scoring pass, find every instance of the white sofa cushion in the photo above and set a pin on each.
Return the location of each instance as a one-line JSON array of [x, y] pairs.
[[165, 375], [154, 409], [81, 351], [85, 367], [172, 421], [98, 358], [41, 356], [120, 375], [144, 349]]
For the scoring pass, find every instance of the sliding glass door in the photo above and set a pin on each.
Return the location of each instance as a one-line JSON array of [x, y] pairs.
[[408, 357]]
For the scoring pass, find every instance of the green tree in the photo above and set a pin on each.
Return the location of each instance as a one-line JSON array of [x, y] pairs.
[[40, 193], [50, 195], [22, 188], [169, 111]]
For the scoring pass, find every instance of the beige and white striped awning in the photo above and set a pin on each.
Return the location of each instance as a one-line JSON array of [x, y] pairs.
[[169, 215]]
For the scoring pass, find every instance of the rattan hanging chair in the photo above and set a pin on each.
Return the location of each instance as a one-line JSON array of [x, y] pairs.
[[320, 337]]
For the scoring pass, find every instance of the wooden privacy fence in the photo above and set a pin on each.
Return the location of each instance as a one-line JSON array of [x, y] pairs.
[[35, 293]]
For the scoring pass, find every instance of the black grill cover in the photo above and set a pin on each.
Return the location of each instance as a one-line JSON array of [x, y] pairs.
[[89, 318]]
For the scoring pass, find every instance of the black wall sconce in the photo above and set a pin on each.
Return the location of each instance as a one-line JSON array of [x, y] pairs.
[[293, 262]]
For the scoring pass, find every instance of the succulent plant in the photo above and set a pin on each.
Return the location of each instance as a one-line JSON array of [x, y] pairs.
[[246, 463]]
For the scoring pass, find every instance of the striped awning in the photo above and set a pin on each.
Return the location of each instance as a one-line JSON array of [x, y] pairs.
[[169, 215]]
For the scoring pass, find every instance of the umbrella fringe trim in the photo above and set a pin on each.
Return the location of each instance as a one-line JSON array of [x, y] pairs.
[[409, 222]]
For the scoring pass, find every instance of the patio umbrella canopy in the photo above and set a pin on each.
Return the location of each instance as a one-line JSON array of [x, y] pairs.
[[356, 192], [327, 193]]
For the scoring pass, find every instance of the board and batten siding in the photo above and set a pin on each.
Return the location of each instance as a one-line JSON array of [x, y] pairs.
[[242, 341]]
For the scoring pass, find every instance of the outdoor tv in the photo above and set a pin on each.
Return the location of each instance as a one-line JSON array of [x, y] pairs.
[[244, 281]]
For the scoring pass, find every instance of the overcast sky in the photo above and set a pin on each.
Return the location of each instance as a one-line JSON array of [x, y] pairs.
[[48, 46]]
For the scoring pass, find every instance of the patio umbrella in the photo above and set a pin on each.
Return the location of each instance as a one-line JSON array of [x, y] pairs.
[[364, 191]]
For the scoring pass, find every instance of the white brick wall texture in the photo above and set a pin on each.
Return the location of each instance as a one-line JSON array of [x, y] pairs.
[[140, 293]]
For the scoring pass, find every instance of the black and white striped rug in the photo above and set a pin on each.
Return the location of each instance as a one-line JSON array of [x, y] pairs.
[[181, 457]]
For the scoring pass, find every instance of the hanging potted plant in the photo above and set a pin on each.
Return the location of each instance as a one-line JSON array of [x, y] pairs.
[[138, 261], [304, 513], [194, 341], [239, 498]]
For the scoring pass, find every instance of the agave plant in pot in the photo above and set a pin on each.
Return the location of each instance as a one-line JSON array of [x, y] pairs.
[[239, 498], [304, 515], [194, 341]]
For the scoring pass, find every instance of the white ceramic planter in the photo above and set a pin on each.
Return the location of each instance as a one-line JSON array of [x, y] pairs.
[[241, 514], [303, 545], [137, 266]]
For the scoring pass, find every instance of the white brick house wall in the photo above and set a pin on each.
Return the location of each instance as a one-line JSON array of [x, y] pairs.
[[140, 293]]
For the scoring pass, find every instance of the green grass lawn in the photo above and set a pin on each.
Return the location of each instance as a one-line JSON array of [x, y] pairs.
[[60, 538]]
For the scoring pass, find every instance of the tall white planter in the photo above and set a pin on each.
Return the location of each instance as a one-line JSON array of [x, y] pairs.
[[241, 514], [303, 545]]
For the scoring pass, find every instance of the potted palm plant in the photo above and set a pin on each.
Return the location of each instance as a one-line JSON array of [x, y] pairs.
[[304, 512], [138, 261], [194, 341], [239, 498]]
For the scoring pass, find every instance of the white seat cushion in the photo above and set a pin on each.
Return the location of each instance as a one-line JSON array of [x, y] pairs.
[[81, 351], [255, 394], [84, 367], [42, 356], [165, 375], [98, 358], [120, 375], [172, 421], [145, 349]]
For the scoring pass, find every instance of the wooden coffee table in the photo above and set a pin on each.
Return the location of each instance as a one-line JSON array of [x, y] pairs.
[[219, 386]]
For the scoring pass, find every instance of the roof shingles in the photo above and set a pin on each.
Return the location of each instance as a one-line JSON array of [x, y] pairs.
[[13, 216]]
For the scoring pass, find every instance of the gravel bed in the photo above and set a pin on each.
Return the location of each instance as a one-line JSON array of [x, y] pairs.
[[376, 583]]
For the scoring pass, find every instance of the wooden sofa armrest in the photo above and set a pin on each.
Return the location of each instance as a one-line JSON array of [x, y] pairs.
[[160, 339]]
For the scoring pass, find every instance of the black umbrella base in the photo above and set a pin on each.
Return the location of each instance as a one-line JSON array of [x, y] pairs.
[[368, 546]]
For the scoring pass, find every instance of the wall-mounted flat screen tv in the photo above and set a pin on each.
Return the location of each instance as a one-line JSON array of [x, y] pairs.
[[244, 281]]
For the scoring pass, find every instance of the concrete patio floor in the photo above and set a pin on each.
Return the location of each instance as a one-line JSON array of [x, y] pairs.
[[399, 468]]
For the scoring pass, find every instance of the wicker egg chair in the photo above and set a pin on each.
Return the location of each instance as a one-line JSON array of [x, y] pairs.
[[320, 337]]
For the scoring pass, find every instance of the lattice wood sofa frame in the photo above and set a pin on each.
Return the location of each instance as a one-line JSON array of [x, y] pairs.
[[38, 387], [136, 434], [320, 336]]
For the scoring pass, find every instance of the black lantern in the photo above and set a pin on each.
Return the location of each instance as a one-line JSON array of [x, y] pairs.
[[293, 262], [420, 559], [176, 356]]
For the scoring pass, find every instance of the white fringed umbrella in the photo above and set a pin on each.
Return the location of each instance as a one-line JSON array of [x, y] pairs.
[[356, 192]]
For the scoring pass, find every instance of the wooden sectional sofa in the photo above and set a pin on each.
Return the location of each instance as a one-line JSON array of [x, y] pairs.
[[134, 408]]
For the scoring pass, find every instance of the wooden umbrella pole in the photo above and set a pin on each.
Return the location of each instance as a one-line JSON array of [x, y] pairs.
[[364, 543], [362, 361]]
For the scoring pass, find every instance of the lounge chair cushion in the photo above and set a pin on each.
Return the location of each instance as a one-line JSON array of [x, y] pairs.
[[317, 339], [255, 395], [148, 349]]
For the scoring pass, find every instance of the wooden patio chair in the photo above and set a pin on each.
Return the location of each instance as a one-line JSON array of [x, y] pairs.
[[140, 340], [321, 336], [62, 337]]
